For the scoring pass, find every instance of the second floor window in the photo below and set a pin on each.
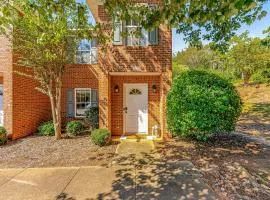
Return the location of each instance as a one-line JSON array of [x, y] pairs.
[[135, 35], [87, 52]]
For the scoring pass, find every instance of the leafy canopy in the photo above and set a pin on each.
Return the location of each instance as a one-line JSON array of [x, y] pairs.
[[247, 58], [195, 58], [42, 30], [266, 40], [247, 55], [213, 20]]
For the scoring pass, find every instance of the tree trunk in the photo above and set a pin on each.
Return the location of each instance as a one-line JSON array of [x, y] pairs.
[[55, 99], [246, 77], [58, 123]]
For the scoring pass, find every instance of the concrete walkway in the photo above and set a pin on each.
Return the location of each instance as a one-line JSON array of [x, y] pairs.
[[133, 175]]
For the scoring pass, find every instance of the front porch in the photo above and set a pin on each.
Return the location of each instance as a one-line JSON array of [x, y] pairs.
[[134, 108]]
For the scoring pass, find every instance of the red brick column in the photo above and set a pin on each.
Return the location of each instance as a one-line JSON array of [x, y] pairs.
[[104, 102], [165, 86]]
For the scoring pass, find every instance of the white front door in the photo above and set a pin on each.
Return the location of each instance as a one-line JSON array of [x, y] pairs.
[[136, 108]]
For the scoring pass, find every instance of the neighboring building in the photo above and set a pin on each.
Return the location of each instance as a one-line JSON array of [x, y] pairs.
[[129, 82]]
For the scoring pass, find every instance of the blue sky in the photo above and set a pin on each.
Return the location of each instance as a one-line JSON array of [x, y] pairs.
[[255, 29]]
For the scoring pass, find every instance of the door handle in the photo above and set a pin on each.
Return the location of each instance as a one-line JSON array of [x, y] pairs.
[[125, 109]]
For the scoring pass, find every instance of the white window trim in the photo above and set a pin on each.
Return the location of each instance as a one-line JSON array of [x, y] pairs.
[[124, 28], [92, 53], [75, 99], [120, 26], [133, 37]]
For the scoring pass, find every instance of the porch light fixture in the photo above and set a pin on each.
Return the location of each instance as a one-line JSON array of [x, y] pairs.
[[116, 88], [154, 88]]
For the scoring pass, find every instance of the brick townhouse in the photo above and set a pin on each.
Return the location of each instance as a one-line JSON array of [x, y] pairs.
[[129, 82]]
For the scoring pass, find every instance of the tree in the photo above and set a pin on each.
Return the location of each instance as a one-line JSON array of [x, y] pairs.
[[194, 58], [247, 55], [266, 40], [41, 32], [215, 21]]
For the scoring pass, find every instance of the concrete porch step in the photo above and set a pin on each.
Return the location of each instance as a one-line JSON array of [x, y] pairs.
[[135, 138]]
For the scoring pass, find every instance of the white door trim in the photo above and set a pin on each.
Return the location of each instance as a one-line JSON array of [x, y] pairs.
[[124, 105], [2, 107]]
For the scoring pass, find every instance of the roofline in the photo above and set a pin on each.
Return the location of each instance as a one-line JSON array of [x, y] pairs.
[[93, 5]]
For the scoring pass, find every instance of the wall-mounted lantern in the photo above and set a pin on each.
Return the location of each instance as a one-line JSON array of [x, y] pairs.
[[154, 88], [116, 88]]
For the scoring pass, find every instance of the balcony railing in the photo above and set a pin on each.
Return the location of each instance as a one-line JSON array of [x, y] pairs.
[[87, 56]]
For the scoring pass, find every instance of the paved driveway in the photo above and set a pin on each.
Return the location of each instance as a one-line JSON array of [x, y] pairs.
[[132, 175]]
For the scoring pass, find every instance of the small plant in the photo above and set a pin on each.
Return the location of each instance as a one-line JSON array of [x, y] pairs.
[[200, 104], [74, 128], [3, 135], [91, 117], [100, 137], [46, 129]]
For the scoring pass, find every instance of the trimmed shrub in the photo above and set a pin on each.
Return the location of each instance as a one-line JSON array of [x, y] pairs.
[[3, 135], [200, 104], [92, 117], [46, 129], [74, 128], [100, 137]]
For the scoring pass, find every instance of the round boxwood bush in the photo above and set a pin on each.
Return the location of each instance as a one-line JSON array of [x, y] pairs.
[[3, 135], [46, 129], [200, 104], [91, 117], [74, 128], [100, 137]]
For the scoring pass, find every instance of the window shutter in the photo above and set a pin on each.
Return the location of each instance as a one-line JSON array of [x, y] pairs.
[[70, 103], [153, 36], [94, 98], [71, 50], [117, 35], [94, 43]]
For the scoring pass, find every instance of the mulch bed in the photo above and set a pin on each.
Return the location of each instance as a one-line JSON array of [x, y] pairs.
[[235, 166], [42, 151]]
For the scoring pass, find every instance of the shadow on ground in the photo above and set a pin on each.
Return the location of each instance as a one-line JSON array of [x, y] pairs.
[[255, 120], [148, 176], [235, 166]]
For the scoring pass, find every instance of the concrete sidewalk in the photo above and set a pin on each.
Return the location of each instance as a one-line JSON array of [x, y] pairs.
[[122, 180]]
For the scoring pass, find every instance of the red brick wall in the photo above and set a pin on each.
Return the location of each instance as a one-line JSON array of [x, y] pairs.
[[120, 58], [25, 107], [117, 101], [30, 107], [77, 76]]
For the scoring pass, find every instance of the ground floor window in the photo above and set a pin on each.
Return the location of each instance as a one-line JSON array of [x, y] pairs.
[[85, 98]]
